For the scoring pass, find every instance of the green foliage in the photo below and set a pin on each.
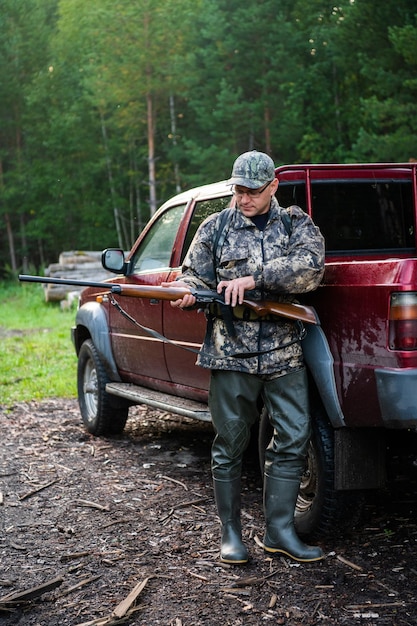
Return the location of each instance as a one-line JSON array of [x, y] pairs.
[[37, 358], [87, 87]]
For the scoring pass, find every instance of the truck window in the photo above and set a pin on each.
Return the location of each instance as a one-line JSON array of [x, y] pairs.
[[292, 193], [202, 210], [155, 250], [364, 215]]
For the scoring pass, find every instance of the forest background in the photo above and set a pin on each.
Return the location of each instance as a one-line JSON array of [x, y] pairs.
[[109, 107]]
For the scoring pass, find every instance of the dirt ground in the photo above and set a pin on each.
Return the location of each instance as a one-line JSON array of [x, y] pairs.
[[101, 518]]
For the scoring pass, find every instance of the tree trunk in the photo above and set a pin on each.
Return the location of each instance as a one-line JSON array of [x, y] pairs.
[[151, 155], [9, 229], [10, 238], [111, 182], [267, 122], [24, 244], [174, 142]]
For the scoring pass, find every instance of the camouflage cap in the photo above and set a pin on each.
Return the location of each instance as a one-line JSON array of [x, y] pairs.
[[252, 169]]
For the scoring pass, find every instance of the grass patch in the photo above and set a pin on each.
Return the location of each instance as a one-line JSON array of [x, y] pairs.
[[37, 358]]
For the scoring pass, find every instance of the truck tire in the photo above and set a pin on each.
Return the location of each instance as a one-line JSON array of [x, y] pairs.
[[320, 508], [102, 414]]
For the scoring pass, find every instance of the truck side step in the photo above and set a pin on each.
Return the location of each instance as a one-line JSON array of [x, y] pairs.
[[159, 400]]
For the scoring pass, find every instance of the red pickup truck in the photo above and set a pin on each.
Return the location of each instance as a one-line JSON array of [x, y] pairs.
[[361, 358]]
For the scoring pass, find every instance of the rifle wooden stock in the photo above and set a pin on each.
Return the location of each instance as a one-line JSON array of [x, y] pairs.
[[158, 293], [284, 309], [261, 307]]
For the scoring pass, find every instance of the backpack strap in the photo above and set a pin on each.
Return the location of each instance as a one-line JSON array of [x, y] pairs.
[[286, 219], [222, 226]]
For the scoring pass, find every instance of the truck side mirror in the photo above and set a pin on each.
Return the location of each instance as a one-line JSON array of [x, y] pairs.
[[113, 260]]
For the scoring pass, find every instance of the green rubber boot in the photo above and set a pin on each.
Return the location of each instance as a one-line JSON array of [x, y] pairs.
[[280, 496], [227, 495]]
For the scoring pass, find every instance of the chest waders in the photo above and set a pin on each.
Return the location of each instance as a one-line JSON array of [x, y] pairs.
[[233, 403]]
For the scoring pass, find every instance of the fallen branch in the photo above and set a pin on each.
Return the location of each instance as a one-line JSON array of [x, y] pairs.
[[5, 582], [13, 599], [122, 610], [74, 555], [389, 589], [125, 520], [82, 583], [182, 505], [177, 482], [349, 563], [235, 590], [124, 606], [245, 582], [41, 488], [199, 576], [377, 605], [93, 505], [104, 621], [17, 546], [253, 580]]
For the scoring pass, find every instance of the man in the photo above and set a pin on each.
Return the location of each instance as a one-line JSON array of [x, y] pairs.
[[260, 258]]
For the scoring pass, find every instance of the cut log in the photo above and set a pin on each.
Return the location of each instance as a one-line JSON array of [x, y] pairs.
[[74, 265]]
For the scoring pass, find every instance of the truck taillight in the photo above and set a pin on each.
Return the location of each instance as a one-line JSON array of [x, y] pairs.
[[403, 321]]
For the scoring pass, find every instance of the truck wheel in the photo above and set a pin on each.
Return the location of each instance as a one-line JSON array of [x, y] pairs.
[[99, 410], [320, 507]]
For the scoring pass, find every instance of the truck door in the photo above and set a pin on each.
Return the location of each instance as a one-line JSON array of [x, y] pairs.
[[138, 354], [189, 327]]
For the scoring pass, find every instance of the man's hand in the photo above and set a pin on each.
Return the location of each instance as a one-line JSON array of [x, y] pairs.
[[234, 290], [184, 302]]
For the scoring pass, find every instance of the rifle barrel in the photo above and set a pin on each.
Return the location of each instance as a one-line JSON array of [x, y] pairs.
[[138, 291], [65, 281]]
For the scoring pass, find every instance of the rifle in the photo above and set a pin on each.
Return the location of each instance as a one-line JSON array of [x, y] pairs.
[[202, 296]]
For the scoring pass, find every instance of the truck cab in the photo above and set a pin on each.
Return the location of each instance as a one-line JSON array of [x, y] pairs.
[[361, 358]]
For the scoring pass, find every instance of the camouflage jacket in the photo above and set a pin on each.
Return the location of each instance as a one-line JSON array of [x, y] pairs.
[[282, 266]]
